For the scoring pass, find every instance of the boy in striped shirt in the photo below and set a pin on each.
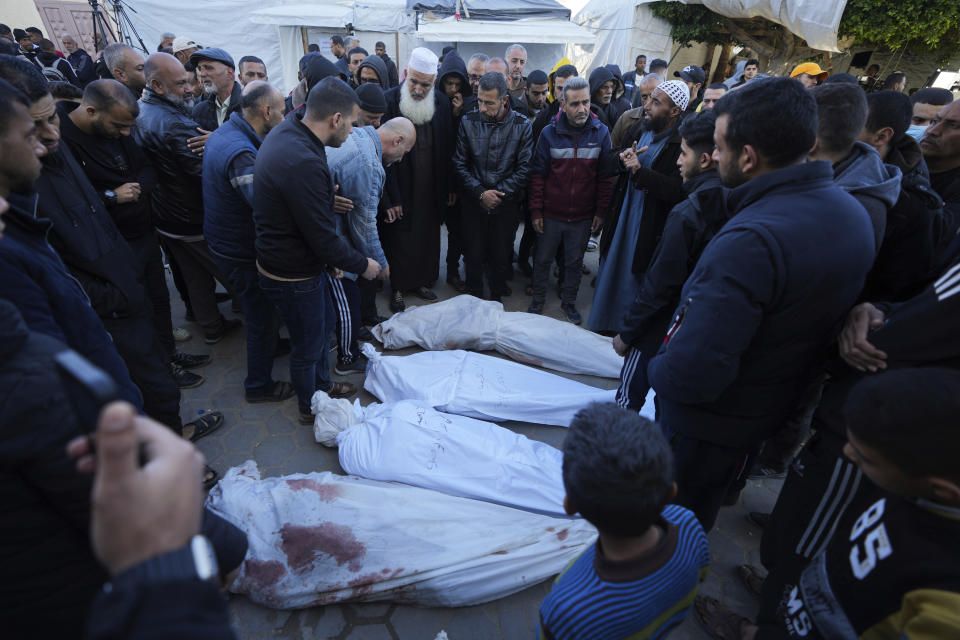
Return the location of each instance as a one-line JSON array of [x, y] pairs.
[[640, 577]]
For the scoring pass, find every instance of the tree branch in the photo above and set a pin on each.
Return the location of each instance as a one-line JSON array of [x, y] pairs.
[[740, 34]]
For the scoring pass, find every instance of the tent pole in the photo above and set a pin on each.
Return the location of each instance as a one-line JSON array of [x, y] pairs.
[[303, 37], [396, 44]]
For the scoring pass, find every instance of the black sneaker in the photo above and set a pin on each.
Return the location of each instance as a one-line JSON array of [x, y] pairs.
[[190, 360], [457, 283], [349, 367], [226, 326], [424, 293], [185, 379], [535, 307], [364, 334], [571, 313]]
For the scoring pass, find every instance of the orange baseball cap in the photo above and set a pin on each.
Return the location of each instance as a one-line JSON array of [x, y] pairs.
[[809, 68]]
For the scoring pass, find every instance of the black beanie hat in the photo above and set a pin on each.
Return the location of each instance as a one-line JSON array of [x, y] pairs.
[[371, 98]]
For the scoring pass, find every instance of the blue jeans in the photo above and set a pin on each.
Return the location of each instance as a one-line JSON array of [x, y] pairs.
[[262, 319], [303, 305]]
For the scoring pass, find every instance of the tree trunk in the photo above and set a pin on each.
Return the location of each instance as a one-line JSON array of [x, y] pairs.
[[719, 74]]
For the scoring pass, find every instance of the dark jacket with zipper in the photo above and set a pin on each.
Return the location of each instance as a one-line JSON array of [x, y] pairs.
[[109, 164], [664, 188], [87, 238], [162, 131], [50, 300], [493, 155], [690, 226], [205, 111], [393, 78], [293, 207], [763, 306], [565, 178]]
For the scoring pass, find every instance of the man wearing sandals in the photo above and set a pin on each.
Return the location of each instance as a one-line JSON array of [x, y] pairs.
[[228, 162], [296, 235]]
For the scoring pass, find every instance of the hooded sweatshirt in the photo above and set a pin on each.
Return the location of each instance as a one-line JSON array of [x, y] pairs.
[[453, 64], [379, 67], [315, 69], [598, 77], [553, 73], [874, 184], [618, 104]]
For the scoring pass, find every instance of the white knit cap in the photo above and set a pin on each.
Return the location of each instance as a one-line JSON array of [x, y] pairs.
[[677, 91], [422, 60]]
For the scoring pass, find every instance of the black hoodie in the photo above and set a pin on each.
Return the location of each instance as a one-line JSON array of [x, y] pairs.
[[618, 104], [314, 69], [379, 67], [453, 64], [598, 77]]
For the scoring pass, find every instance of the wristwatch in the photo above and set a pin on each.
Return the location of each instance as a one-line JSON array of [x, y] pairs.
[[110, 197], [195, 561]]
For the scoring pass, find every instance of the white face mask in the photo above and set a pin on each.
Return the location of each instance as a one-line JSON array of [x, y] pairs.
[[916, 131]]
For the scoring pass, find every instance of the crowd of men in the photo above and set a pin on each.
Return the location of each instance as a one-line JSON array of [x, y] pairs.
[[777, 255]]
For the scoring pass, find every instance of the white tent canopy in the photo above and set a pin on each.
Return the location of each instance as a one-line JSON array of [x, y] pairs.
[[526, 31]]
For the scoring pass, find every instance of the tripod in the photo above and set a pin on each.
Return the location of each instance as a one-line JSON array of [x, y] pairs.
[[121, 17], [124, 26], [101, 27]]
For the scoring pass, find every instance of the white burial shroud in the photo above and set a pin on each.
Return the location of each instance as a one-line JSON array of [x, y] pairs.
[[409, 442], [466, 322], [320, 538], [479, 386]]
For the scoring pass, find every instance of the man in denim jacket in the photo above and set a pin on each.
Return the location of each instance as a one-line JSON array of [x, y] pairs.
[[358, 168]]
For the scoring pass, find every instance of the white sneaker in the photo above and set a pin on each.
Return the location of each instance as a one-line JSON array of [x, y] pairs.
[[592, 245], [181, 335]]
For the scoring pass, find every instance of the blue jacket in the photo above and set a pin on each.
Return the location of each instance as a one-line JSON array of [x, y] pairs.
[[357, 166], [227, 211], [763, 305], [50, 300]]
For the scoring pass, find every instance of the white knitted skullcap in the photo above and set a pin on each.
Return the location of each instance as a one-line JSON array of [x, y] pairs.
[[423, 60], [677, 91]]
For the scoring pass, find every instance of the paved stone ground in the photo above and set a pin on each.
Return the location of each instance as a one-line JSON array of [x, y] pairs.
[[271, 435]]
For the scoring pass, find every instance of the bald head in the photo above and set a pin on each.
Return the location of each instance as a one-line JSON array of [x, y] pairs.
[[108, 110], [397, 137], [497, 65], [262, 106], [166, 77]]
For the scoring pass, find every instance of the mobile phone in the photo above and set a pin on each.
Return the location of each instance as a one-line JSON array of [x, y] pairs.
[[88, 387]]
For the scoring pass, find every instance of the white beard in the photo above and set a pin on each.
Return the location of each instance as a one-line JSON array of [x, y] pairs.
[[417, 111]]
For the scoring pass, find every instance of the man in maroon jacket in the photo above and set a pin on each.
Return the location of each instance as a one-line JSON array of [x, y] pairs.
[[568, 193]]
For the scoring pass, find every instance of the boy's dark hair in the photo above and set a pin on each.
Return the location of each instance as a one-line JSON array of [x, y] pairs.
[[9, 94], [25, 76], [357, 50], [46, 45], [617, 469], [718, 85], [776, 116], [697, 131], [329, 96], [64, 91], [638, 58], [336, 40], [379, 43], [841, 113], [752, 61], [657, 63], [493, 80], [911, 417], [889, 109], [313, 48], [566, 71], [35, 30], [5, 30], [932, 95]]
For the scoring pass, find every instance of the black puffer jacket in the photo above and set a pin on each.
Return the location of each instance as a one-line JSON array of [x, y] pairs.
[[162, 131], [493, 155], [205, 111]]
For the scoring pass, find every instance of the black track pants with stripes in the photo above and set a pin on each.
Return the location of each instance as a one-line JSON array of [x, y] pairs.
[[820, 487], [346, 304]]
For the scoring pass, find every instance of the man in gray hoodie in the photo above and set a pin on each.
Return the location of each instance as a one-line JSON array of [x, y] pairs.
[[857, 167], [372, 69]]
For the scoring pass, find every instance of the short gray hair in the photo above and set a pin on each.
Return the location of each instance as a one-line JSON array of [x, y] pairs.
[[67, 35], [166, 34], [482, 57], [113, 54], [575, 83], [515, 46]]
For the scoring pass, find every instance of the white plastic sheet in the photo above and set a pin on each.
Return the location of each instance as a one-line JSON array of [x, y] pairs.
[[479, 386], [408, 442], [320, 538], [466, 322]]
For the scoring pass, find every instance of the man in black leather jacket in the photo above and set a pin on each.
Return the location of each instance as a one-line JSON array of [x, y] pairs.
[[492, 162], [163, 130]]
